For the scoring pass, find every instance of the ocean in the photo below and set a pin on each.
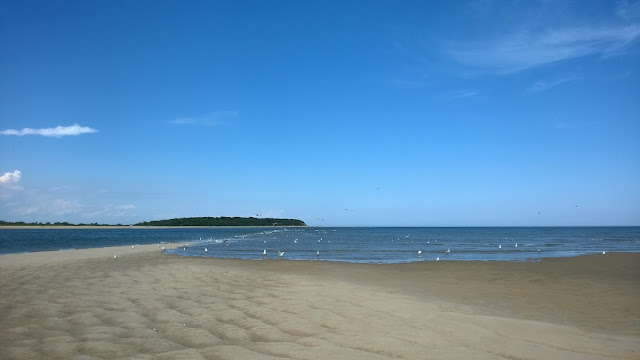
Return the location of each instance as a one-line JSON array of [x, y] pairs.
[[356, 245]]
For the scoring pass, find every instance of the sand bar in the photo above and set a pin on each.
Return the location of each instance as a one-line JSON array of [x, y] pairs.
[[143, 304]]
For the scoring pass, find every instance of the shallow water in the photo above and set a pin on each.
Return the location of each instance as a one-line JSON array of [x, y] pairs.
[[358, 245]]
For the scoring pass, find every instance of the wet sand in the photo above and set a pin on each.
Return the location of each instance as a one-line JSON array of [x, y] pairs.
[[84, 304]]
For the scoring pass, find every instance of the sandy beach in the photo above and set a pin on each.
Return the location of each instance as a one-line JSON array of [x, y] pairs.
[[143, 304]]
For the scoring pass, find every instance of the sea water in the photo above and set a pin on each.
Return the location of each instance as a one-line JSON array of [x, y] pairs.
[[356, 245]]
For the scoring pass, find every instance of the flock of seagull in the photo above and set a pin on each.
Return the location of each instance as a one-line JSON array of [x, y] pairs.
[[281, 253]]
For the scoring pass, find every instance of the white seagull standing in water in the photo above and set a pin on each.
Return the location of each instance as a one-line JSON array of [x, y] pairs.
[[419, 252], [205, 250], [264, 252], [281, 253], [448, 251], [438, 258]]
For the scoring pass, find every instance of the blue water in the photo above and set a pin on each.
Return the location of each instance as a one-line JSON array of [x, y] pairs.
[[357, 245]]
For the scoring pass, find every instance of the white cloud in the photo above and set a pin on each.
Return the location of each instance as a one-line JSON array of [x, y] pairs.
[[9, 184], [544, 85], [212, 119], [10, 180], [58, 131], [525, 51]]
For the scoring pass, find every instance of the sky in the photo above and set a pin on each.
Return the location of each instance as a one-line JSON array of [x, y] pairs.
[[359, 113]]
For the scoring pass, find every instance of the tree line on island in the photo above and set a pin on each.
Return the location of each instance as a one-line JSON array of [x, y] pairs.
[[224, 221], [191, 221]]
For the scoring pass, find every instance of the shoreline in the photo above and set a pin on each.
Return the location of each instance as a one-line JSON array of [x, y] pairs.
[[92, 227], [61, 304]]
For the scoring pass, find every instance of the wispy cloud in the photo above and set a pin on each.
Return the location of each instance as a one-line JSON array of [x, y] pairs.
[[461, 94], [407, 84], [213, 119], [563, 125], [544, 85], [48, 207], [111, 210], [529, 50], [628, 10], [56, 202], [58, 131]]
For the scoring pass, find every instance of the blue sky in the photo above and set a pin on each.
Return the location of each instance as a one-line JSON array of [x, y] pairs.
[[384, 113]]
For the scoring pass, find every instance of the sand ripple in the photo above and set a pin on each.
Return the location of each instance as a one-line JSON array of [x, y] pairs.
[[152, 306]]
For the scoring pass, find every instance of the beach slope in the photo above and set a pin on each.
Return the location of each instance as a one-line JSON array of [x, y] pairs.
[[143, 304]]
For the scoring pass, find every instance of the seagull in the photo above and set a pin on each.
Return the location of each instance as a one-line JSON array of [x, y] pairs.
[[133, 246], [115, 256], [264, 252], [604, 252], [448, 251], [419, 252], [499, 246], [163, 248], [320, 240], [317, 252], [281, 253], [516, 244], [438, 258], [205, 250], [295, 241]]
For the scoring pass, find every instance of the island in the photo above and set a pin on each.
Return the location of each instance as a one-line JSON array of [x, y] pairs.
[[177, 222], [223, 221]]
